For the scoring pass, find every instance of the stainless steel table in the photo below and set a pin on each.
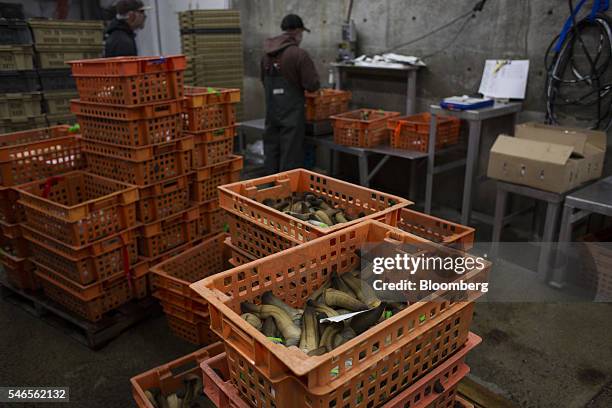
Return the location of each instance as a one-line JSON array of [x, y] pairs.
[[475, 118], [593, 199], [363, 155], [409, 71], [553, 209]]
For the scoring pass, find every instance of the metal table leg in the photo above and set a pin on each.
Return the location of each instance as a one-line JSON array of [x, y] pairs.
[[498, 219], [411, 92], [413, 181], [363, 170], [470, 170], [559, 272], [431, 154], [550, 229], [335, 159]]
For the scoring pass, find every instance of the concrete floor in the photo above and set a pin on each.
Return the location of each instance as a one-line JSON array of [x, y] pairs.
[[551, 354]]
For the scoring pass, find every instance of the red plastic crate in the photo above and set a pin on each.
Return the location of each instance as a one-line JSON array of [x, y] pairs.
[[255, 240], [78, 208], [168, 378], [86, 264], [206, 179], [39, 153], [322, 104], [163, 199], [214, 146], [436, 229], [245, 199], [424, 334], [362, 127], [168, 163], [196, 96], [129, 80], [163, 235], [412, 132], [93, 301]]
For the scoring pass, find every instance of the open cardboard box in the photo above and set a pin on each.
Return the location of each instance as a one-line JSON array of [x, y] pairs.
[[550, 158]]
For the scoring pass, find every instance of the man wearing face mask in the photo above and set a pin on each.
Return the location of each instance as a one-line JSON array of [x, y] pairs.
[[286, 72], [120, 34]]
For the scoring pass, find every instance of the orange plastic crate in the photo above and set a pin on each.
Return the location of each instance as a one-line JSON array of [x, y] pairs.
[[206, 180], [239, 257], [214, 146], [35, 154], [78, 208], [15, 246], [129, 80], [245, 199], [93, 301], [168, 378], [129, 126], [163, 235], [163, 199], [412, 132], [198, 333], [437, 389], [212, 218], [196, 96], [177, 273], [362, 127], [218, 385], [424, 334], [10, 210], [168, 163], [138, 154], [19, 271], [86, 264], [436, 229], [322, 104], [255, 240], [209, 108]]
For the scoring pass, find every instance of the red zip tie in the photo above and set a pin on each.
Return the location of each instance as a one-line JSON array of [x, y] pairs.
[[49, 183]]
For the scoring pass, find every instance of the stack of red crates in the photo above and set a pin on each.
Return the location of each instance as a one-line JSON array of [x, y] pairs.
[[24, 157]]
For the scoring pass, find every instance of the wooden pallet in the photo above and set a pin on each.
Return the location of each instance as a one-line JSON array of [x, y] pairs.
[[480, 396], [93, 335]]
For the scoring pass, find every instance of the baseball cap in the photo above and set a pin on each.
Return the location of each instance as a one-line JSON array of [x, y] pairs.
[[125, 6], [293, 22]]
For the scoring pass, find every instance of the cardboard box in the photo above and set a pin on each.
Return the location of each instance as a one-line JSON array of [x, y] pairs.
[[550, 158]]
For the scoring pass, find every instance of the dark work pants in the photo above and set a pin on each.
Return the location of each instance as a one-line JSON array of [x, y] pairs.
[[284, 142]]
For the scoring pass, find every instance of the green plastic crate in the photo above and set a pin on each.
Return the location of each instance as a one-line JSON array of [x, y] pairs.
[[19, 105], [16, 57], [62, 32]]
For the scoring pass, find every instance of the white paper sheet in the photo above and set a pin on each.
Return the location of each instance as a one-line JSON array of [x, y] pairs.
[[509, 81]]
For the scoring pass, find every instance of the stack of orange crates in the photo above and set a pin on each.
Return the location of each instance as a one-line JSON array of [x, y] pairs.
[[82, 234], [24, 157], [130, 110], [210, 119]]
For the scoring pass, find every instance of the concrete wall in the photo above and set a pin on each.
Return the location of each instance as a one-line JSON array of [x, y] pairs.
[[505, 29]]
